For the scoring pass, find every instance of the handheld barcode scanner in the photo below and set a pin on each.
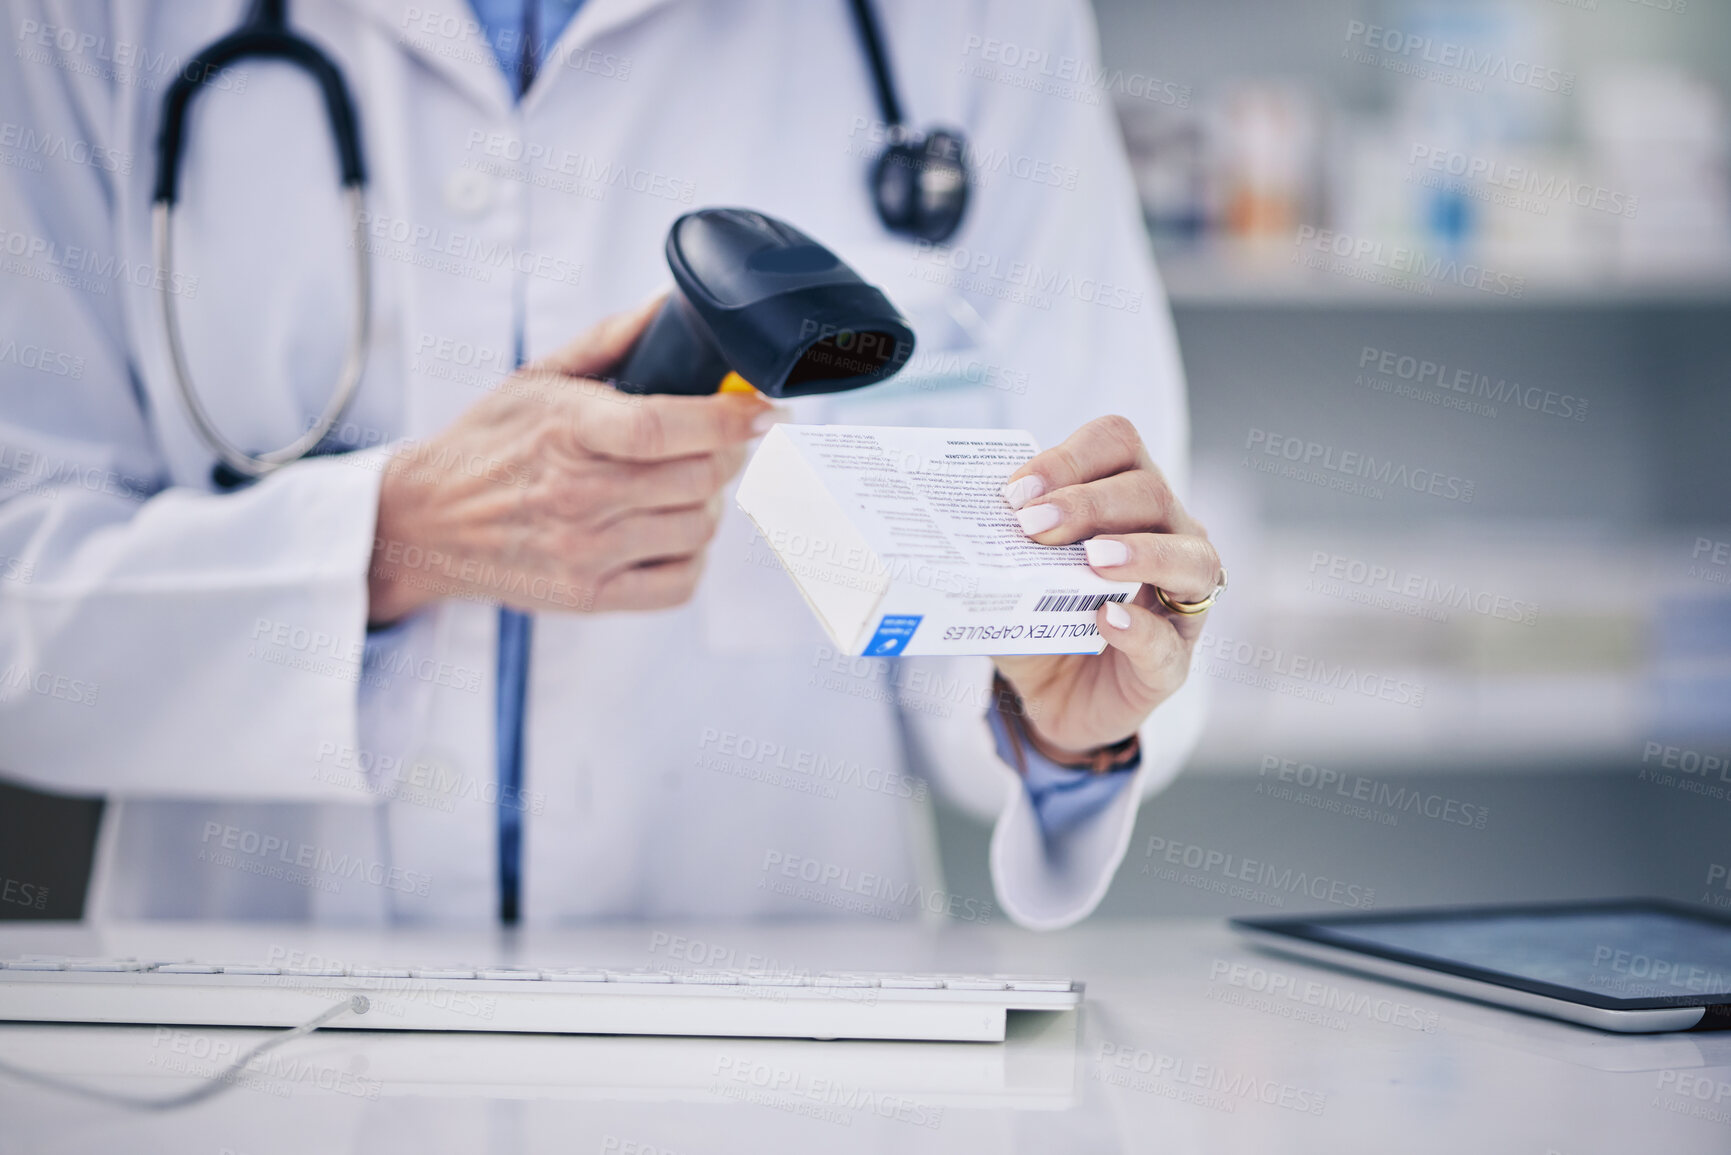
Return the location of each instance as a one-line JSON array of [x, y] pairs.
[[757, 304]]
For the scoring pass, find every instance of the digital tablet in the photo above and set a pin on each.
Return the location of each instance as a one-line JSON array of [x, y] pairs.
[[1633, 965]]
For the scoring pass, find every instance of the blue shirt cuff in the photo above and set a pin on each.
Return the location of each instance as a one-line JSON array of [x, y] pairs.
[[1063, 797]]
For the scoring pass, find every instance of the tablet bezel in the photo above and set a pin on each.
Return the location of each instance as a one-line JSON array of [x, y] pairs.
[[1313, 928]]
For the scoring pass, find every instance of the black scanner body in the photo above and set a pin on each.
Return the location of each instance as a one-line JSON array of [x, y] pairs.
[[758, 302]]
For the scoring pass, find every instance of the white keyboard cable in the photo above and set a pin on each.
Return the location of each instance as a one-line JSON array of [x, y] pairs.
[[212, 1084]]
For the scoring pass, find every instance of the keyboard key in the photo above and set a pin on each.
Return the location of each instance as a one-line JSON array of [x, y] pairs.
[[97, 964], [315, 972], [775, 979], [442, 973], [575, 975], [973, 983], [910, 983], [835, 980], [249, 969], [639, 977], [509, 973], [709, 978], [1019, 983], [188, 968], [35, 964], [379, 972]]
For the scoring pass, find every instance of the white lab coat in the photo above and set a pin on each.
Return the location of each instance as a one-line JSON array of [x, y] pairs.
[[193, 656]]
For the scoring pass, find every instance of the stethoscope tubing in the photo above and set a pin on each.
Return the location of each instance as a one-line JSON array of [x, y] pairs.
[[265, 34], [348, 380]]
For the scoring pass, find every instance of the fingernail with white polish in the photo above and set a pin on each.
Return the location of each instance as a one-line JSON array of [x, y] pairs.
[[1103, 551], [1117, 616], [1023, 490], [1039, 518]]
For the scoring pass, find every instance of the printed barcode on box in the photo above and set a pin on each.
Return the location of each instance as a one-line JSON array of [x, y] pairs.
[[1072, 603]]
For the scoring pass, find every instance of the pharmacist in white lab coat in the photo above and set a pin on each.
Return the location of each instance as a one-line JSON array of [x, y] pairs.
[[290, 693]]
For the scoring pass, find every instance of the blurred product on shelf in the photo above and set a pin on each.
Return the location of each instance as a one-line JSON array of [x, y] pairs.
[[1458, 132], [1663, 134], [1167, 158], [1268, 159]]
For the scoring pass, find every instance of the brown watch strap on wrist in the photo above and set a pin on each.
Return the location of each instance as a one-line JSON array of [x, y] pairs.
[[1100, 760]]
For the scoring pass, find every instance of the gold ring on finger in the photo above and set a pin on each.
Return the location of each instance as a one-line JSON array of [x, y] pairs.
[[1188, 608]]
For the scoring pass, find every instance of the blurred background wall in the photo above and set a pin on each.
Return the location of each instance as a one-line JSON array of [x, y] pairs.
[[1488, 241]]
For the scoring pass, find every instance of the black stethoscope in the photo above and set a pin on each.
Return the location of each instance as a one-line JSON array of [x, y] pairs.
[[264, 33], [919, 186]]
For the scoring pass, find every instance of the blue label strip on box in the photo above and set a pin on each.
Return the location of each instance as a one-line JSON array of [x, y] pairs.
[[894, 633]]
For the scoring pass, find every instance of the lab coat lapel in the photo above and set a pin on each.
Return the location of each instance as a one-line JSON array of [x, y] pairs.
[[463, 56], [468, 60], [598, 17], [595, 19]]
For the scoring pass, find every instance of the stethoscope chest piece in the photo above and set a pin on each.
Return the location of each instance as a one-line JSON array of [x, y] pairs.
[[921, 185]]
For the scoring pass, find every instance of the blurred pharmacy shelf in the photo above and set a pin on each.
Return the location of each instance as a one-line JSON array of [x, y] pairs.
[[1491, 647], [1219, 277], [1301, 158]]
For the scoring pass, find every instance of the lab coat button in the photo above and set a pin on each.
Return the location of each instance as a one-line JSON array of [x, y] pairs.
[[468, 192]]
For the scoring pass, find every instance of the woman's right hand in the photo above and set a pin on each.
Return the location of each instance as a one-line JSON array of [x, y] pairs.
[[559, 492]]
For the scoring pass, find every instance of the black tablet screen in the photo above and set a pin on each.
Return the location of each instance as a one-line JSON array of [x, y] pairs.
[[1630, 954]]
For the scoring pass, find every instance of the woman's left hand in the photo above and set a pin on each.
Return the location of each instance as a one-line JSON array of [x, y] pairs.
[[1101, 488]]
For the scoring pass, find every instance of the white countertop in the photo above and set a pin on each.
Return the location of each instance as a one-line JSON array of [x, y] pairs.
[[1187, 1041]]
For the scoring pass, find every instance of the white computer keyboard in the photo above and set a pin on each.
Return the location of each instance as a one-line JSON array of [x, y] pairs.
[[569, 1000]]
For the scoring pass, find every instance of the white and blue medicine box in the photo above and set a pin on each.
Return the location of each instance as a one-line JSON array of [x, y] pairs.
[[902, 544]]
